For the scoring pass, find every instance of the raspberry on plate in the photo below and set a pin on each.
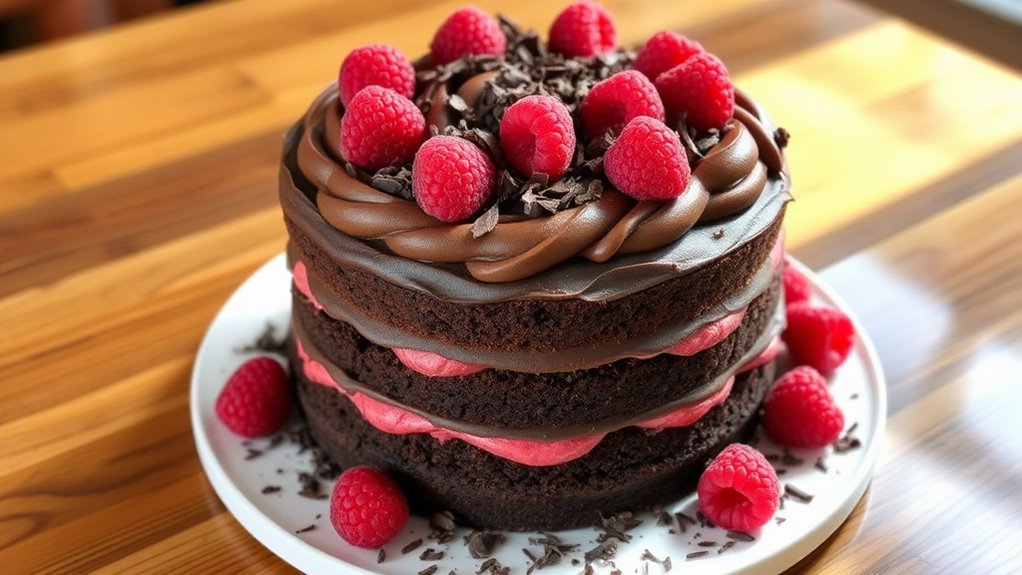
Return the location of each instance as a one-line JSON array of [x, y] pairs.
[[647, 162], [537, 135], [796, 285], [381, 128], [256, 400], [583, 29], [614, 102], [452, 179], [663, 51], [818, 336], [375, 65], [467, 30], [739, 489], [800, 412], [367, 508], [700, 90]]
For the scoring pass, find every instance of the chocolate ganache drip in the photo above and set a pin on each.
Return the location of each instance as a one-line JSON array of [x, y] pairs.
[[537, 224]]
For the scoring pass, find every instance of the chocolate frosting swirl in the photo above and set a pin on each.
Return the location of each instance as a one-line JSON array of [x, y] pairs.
[[727, 181]]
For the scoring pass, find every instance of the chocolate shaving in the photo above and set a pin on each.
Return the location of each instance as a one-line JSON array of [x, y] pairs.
[[781, 138], [648, 556], [252, 453], [617, 525], [707, 543], [431, 554], [493, 567], [664, 518], [411, 547], [820, 465], [305, 529], [727, 545], [429, 570], [740, 536], [696, 554], [847, 442], [604, 550], [684, 518], [485, 223], [267, 343], [381, 556], [779, 520], [442, 526], [482, 544], [394, 180], [310, 486], [797, 494], [553, 551], [270, 489]]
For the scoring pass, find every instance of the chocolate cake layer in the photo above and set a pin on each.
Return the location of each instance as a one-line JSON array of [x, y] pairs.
[[521, 400], [539, 324], [631, 469]]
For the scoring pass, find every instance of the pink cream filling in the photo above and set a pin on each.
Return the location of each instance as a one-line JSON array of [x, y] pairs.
[[435, 365], [396, 420]]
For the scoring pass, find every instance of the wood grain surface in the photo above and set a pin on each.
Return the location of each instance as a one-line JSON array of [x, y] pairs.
[[138, 189]]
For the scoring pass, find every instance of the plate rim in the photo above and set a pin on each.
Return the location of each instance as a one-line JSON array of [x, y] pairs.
[[285, 545]]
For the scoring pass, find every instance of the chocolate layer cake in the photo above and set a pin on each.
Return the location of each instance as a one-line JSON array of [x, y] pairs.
[[569, 351]]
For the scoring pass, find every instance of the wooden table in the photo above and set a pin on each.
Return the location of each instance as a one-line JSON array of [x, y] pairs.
[[138, 189]]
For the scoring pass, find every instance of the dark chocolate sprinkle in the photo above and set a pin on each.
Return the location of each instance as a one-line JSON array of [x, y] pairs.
[[411, 547], [796, 493], [617, 525], [696, 554], [781, 137], [727, 545], [306, 529], [429, 570], [820, 464], [604, 550], [707, 543], [664, 518], [270, 489], [482, 544], [740, 536], [381, 556], [252, 453], [779, 520], [684, 518], [431, 554]]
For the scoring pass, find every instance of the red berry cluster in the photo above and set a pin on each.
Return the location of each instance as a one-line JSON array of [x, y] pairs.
[[799, 410], [674, 80]]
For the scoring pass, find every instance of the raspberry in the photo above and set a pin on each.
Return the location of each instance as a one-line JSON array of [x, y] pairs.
[[800, 412], [367, 508], [739, 489], [612, 103], [452, 179], [818, 336], [381, 128], [467, 30], [537, 135], [664, 51], [700, 89], [647, 162], [256, 400], [375, 65], [796, 285], [583, 29]]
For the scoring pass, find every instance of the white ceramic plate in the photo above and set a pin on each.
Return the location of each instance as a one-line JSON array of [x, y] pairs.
[[274, 518]]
